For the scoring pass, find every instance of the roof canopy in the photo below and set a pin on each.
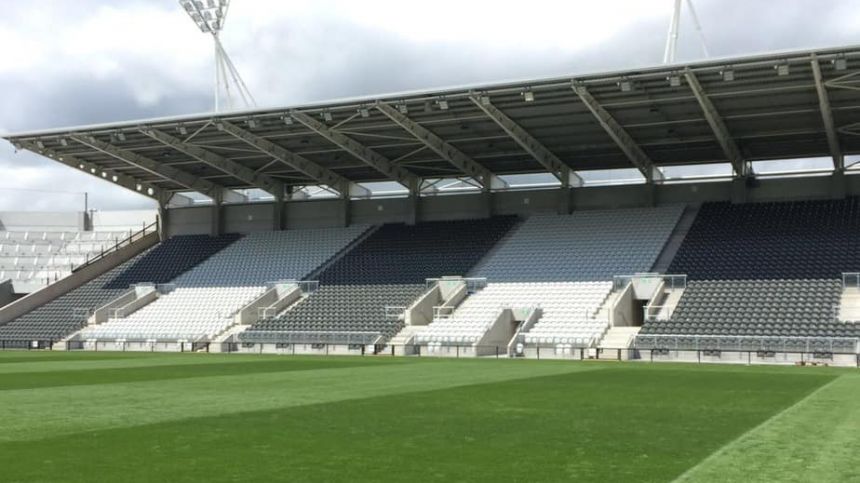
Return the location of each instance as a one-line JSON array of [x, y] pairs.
[[776, 106]]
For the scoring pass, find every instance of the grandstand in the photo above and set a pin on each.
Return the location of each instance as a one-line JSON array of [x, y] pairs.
[[475, 221]]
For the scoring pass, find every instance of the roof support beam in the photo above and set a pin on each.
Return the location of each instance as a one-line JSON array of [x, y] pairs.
[[538, 151], [618, 134], [827, 117], [443, 149], [128, 182], [360, 151], [228, 166], [169, 173], [724, 138], [307, 167]]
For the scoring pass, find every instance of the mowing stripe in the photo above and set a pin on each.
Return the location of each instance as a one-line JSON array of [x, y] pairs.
[[685, 476]]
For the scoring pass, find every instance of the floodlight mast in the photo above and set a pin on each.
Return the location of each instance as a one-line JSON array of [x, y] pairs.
[[209, 16], [674, 24]]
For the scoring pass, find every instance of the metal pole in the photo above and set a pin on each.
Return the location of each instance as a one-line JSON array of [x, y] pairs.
[[672, 39]]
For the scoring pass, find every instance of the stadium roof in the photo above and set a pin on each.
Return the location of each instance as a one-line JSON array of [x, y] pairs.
[[784, 105]]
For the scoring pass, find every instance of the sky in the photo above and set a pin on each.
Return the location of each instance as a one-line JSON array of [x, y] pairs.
[[72, 63]]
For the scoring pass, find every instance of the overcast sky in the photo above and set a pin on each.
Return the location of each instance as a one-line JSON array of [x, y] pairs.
[[65, 63]]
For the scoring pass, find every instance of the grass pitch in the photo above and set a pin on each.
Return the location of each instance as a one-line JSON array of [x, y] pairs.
[[88, 417]]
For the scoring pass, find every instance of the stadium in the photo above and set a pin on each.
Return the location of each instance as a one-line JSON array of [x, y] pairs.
[[571, 278]]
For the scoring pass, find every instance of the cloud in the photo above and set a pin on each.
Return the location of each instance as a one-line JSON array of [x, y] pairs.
[[94, 61]]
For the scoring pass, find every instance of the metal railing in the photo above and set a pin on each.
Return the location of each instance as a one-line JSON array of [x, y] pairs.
[[394, 311], [742, 343], [670, 281], [132, 237], [311, 337], [657, 313], [472, 284], [851, 280]]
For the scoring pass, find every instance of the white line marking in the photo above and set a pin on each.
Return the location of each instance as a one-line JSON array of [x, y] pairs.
[[724, 448]]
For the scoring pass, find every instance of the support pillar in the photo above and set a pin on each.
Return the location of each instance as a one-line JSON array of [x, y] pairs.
[[278, 214], [487, 202], [163, 221], [217, 215], [345, 211], [838, 187], [740, 190], [565, 205]]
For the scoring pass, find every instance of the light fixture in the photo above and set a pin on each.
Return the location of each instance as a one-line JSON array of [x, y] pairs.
[[182, 129], [327, 116], [150, 191], [727, 74], [528, 95], [138, 187], [288, 120], [674, 80], [485, 100], [120, 135], [82, 166], [252, 123], [625, 85], [364, 112], [403, 108], [104, 174], [93, 170], [443, 104], [840, 63], [114, 178], [782, 69], [64, 142], [40, 145]]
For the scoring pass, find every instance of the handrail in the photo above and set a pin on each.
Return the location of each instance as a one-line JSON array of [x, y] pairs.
[[133, 237]]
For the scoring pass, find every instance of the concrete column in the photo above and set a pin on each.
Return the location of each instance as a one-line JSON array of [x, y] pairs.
[[740, 190], [565, 204], [163, 221], [838, 187], [278, 214], [216, 222], [345, 211], [413, 205]]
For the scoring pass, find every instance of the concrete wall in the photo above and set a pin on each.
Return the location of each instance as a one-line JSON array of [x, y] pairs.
[[133, 220], [41, 221], [75, 280], [244, 218]]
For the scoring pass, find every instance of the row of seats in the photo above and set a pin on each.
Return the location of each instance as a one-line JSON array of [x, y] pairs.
[[208, 296], [68, 313], [564, 264], [568, 311], [388, 268], [764, 270], [584, 246]]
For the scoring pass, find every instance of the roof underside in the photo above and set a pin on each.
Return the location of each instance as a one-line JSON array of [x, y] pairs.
[[765, 114]]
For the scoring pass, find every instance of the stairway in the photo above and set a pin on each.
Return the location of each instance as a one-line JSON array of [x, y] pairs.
[[849, 305], [617, 338]]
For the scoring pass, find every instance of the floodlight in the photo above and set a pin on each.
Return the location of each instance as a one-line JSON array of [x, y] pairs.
[[782, 69], [150, 191], [364, 112], [120, 136], [40, 145], [82, 166], [114, 178], [209, 17], [252, 123], [327, 116], [727, 74], [528, 95], [485, 100], [64, 142], [840, 63], [138, 187], [443, 104], [288, 120], [182, 129], [625, 85], [403, 108], [674, 80], [104, 174], [93, 170]]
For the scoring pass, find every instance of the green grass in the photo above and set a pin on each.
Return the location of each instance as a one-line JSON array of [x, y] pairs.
[[172, 417]]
